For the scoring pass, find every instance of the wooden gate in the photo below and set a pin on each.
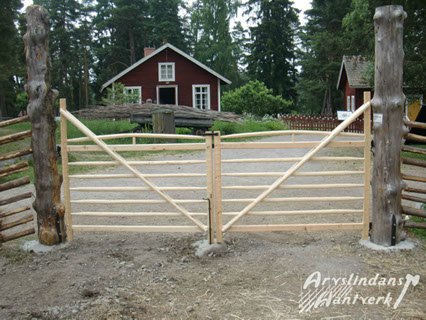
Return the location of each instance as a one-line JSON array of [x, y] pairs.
[[162, 193], [213, 145], [263, 192]]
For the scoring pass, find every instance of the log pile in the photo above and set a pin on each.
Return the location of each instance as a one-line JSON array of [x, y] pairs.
[[123, 112]]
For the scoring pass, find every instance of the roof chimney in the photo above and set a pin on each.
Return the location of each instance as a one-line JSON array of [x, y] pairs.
[[148, 51]]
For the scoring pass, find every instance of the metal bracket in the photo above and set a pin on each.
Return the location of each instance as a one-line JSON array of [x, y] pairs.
[[393, 240], [211, 236], [210, 133]]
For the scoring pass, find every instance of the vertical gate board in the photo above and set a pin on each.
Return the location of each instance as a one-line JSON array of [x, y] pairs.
[[210, 186], [218, 187], [367, 168]]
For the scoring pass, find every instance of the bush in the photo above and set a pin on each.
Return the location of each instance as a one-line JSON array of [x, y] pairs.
[[254, 98], [120, 95]]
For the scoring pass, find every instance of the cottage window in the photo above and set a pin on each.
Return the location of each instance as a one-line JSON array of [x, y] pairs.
[[201, 96], [135, 92], [166, 71]]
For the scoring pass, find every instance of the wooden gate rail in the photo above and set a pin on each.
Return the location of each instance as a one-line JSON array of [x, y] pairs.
[[299, 162], [16, 214], [118, 160]]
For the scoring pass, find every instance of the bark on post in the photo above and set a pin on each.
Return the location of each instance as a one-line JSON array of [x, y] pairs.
[[50, 210], [388, 107]]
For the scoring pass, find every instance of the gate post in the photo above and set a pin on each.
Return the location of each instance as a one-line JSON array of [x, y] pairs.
[[367, 168], [218, 187], [210, 186], [388, 106], [65, 175]]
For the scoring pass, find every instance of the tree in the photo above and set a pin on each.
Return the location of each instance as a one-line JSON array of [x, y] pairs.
[[9, 55], [323, 47], [256, 99], [272, 49], [212, 42]]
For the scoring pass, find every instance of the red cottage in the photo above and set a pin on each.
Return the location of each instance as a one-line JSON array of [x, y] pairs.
[[352, 81], [168, 75]]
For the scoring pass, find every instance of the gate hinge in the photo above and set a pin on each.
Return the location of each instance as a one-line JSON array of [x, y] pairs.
[[393, 239]]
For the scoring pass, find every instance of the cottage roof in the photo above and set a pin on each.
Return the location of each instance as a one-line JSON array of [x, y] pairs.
[[163, 47], [354, 67]]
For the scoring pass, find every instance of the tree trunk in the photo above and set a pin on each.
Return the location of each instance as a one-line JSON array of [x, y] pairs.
[[132, 44], [86, 75], [388, 106], [48, 205]]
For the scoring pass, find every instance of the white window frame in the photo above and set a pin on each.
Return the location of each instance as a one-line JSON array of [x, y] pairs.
[[133, 88], [348, 103], [352, 103], [166, 64], [194, 86], [168, 86]]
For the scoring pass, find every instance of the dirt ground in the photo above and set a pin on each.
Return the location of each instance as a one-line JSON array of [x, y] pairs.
[[261, 275]]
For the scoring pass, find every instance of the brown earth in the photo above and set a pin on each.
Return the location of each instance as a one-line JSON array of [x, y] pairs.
[[158, 276]]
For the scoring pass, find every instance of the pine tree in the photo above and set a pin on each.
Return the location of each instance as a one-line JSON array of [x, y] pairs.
[[272, 48], [9, 55]]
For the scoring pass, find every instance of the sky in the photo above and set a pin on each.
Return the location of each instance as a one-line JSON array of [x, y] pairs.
[[302, 5]]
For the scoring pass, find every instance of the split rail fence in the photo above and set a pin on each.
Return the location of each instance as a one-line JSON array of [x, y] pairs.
[[414, 185], [14, 223], [204, 198]]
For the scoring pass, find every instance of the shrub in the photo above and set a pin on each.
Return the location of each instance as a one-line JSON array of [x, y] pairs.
[[254, 98], [120, 95]]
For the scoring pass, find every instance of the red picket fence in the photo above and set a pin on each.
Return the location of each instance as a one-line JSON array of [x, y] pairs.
[[319, 123]]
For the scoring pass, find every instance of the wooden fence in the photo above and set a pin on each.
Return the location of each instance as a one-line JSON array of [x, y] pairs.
[[12, 219], [320, 123], [413, 193]]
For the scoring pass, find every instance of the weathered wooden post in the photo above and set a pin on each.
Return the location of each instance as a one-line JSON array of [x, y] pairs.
[[48, 205], [388, 107], [163, 121]]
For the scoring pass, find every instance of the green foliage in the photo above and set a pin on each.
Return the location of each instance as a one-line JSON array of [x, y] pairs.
[[254, 98], [272, 47], [120, 95], [247, 126]]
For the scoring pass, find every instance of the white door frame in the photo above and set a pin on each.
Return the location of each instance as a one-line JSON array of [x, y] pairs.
[[168, 86]]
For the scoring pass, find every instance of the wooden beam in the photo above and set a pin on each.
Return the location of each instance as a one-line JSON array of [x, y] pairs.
[[12, 212], [415, 225], [287, 132], [15, 137], [13, 121], [290, 145], [10, 173], [104, 228], [295, 159], [413, 178], [297, 212], [414, 162], [14, 183], [27, 195], [27, 232], [414, 124], [217, 141], [132, 214], [414, 150], [136, 163], [412, 198], [123, 175], [297, 186], [134, 189], [415, 137], [296, 227], [414, 190], [140, 135], [14, 167], [134, 201], [15, 154], [297, 199], [414, 212], [367, 168], [138, 147], [298, 174], [9, 225]]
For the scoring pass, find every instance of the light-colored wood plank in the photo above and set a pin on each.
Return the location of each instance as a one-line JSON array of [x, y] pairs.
[[210, 186], [133, 214], [297, 186], [296, 227], [134, 201], [137, 147], [297, 212], [298, 174], [290, 145], [140, 135], [324, 143], [136, 163], [218, 186], [65, 172], [103, 228], [287, 132], [134, 189], [326, 159], [135, 172], [298, 199], [122, 176], [367, 168]]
